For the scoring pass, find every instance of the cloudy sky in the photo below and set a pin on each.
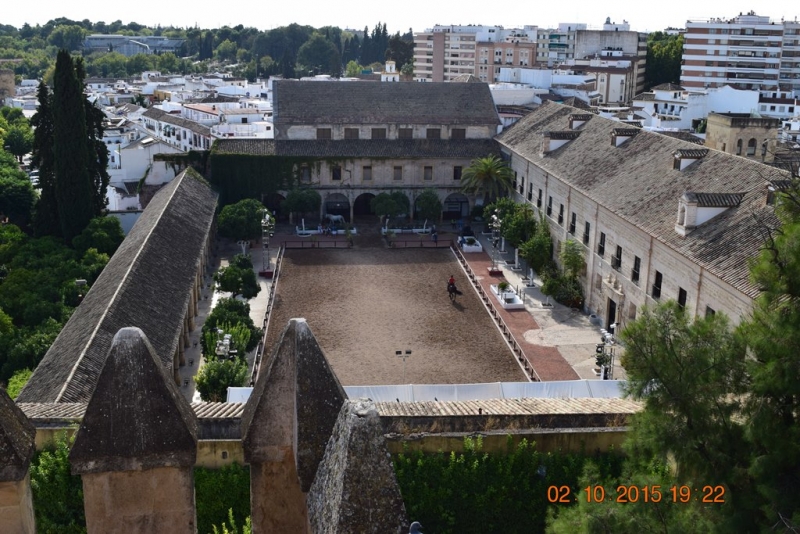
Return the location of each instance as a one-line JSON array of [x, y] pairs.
[[398, 15]]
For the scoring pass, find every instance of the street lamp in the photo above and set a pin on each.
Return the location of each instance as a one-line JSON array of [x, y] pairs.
[[605, 352], [495, 224], [267, 231]]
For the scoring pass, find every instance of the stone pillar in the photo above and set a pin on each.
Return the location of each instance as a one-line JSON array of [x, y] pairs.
[[137, 446], [286, 425], [355, 489], [16, 450]]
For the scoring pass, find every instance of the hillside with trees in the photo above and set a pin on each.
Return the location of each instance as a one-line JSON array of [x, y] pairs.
[[291, 51]]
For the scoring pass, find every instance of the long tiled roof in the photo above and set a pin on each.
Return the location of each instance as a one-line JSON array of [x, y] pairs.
[[298, 102], [162, 116], [147, 283], [637, 182], [360, 148]]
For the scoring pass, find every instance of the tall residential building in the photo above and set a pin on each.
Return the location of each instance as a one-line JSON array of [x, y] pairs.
[[746, 52], [446, 52]]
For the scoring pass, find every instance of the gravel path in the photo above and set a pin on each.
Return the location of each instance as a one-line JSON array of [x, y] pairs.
[[363, 304]]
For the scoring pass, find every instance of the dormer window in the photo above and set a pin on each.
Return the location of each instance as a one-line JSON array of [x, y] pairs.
[[577, 120], [682, 158], [555, 140], [695, 209], [621, 135]]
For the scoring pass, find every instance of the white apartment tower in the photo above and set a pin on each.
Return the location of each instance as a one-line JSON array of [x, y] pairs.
[[746, 52]]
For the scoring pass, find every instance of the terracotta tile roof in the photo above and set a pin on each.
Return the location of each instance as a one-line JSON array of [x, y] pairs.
[[644, 96], [147, 283], [715, 200], [683, 136], [636, 181], [360, 148], [693, 153], [667, 87], [626, 132], [162, 116], [563, 134], [528, 406], [306, 102]]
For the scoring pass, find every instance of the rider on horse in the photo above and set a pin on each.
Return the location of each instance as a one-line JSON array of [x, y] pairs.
[[451, 282]]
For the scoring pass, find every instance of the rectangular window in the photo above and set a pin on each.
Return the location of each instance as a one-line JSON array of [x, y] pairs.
[[433, 133], [427, 173], [710, 311], [457, 172], [305, 174], [601, 246], [323, 133], [657, 286], [560, 213], [572, 222], [336, 173], [351, 133], [549, 206], [586, 228], [398, 173], [539, 200], [379, 133], [366, 173], [637, 265], [514, 183], [405, 133], [530, 191], [681, 297], [458, 133], [616, 259]]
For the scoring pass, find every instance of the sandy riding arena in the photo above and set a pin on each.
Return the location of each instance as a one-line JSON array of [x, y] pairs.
[[364, 304]]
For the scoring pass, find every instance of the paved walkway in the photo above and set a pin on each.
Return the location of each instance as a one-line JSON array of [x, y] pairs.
[[557, 341]]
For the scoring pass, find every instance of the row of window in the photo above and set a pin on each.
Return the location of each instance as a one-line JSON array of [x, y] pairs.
[[366, 173], [616, 258], [402, 133]]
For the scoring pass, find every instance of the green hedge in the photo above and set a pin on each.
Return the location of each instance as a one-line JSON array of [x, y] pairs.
[[479, 492], [217, 491]]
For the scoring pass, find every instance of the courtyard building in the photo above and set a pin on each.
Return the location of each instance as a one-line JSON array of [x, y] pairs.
[[352, 141], [658, 217]]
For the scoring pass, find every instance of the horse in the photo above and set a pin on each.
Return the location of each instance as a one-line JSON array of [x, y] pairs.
[[452, 291], [334, 218]]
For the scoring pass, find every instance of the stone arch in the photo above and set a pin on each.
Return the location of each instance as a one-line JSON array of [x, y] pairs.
[[362, 204], [455, 206], [738, 147], [337, 204], [751, 147], [273, 201]]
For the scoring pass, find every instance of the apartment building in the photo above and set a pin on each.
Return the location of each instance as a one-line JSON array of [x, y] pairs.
[[446, 52], [747, 52]]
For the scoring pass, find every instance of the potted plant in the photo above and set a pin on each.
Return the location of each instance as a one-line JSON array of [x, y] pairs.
[[502, 287]]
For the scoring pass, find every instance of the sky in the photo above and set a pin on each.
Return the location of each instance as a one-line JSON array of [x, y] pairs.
[[398, 16]]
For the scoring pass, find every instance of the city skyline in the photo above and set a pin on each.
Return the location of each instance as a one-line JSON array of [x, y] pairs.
[[415, 14]]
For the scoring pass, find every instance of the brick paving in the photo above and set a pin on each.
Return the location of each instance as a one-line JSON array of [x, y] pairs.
[[547, 362]]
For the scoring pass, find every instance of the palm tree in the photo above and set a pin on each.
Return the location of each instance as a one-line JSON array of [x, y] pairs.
[[489, 176]]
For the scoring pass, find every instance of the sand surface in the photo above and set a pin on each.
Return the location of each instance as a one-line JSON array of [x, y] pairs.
[[363, 304]]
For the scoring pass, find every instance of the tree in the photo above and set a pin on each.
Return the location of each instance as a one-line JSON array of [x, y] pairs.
[[97, 164], [241, 221], [390, 204], [104, 234], [226, 51], [17, 382], [664, 54], [238, 278], [400, 51], [571, 257], [320, 56], [772, 335], [216, 376], [538, 250], [407, 69], [489, 176], [17, 198], [353, 69], [302, 201], [232, 312], [19, 139], [46, 217], [71, 157], [690, 374], [57, 493], [428, 205]]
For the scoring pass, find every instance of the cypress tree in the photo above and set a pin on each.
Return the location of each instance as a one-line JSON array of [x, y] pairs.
[[73, 189], [98, 152], [46, 220]]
